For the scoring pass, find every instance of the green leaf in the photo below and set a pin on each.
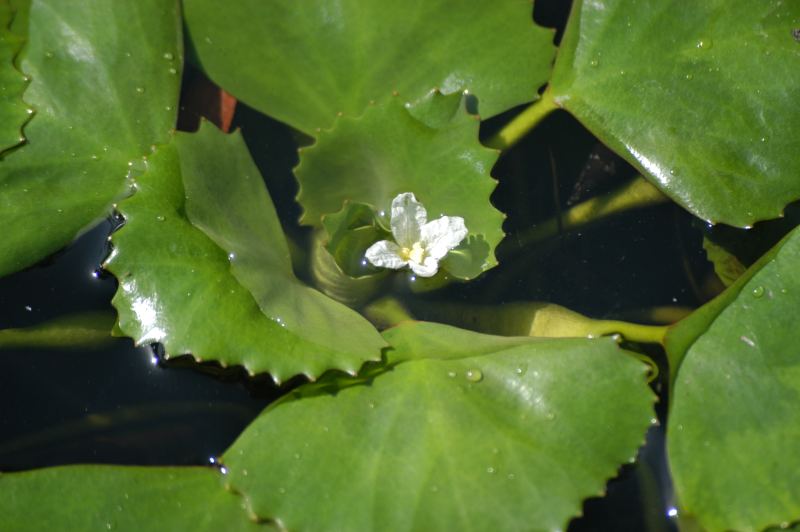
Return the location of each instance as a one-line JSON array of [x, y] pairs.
[[204, 268], [105, 84], [462, 432], [349, 233], [735, 417], [702, 98], [429, 148], [13, 111], [303, 63], [120, 498]]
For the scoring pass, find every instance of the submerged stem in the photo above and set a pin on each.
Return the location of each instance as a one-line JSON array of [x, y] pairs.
[[524, 122], [634, 194], [544, 320]]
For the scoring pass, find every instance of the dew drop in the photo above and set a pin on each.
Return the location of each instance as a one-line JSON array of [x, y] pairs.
[[689, 76], [491, 470], [758, 291], [451, 374], [140, 90], [231, 256], [160, 217], [521, 370], [173, 71], [594, 62], [704, 44], [49, 55], [168, 56], [474, 375]]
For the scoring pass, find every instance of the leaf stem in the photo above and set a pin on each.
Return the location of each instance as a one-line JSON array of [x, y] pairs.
[[524, 122], [635, 194], [540, 319]]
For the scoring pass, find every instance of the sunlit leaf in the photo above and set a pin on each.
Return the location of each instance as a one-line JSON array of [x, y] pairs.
[[104, 85], [701, 98], [304, 62], [464, 432], [204, 268], [734, 424], [120, 498]]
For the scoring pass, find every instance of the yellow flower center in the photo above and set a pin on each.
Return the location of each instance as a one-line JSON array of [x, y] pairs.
[[415, 254]]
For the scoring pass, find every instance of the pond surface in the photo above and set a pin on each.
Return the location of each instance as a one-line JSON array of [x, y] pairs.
[[119, 403]]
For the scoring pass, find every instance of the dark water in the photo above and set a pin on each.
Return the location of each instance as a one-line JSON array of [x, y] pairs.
[[120, 404]]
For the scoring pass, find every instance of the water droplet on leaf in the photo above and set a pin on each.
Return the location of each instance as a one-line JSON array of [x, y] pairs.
[[474, 375]]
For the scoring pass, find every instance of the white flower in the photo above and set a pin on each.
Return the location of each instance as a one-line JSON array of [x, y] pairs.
[[419, 244]]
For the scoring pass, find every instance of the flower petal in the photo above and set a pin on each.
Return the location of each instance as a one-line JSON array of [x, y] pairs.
[[408, 215], [441, 235], [428, 268], [385, 254]]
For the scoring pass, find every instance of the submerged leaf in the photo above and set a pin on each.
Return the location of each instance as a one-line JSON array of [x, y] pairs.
[[463, 432], [389, 151], [701, 98], [304, 62], [204, 268], [734, 423], [103, 93]]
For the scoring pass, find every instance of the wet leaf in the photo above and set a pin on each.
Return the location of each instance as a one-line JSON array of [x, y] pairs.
[[463, 432], [204, 268], [702, 99], [303, 63], [735, 417], [104, 84], [121, 498], [429, 148]]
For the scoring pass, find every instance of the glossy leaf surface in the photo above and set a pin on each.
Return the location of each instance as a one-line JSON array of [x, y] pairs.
[[735, 418], [13, 111], [120, 498], [204, 268], [303, 63], [701, 98], [102, 98], [429, 148], [464, 432]]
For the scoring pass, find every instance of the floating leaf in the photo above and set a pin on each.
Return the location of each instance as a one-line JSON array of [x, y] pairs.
[[204, 268], [303, 63], [120, 498], [413, 148], [702, 98], [463, 432], [102, 97], [13, 111], [734, 423]]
